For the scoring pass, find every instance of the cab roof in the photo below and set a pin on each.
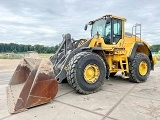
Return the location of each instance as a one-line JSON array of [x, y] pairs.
[[107, 15]]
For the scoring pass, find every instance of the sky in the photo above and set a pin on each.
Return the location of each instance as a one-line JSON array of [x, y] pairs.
[[45, 21]]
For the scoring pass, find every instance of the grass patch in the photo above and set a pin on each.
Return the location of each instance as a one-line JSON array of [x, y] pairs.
[[21, 55], [45, 55], [157, 56], [10, 56], [4, 57]]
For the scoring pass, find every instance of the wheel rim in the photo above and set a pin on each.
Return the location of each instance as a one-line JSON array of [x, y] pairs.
[[143, 67], [91, 73]]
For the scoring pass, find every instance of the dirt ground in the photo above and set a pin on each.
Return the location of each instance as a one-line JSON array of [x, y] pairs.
[[118, 99], [8, 64]]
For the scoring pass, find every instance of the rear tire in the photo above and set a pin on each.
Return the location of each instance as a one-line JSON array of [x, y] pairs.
[[76, 72], [139, 69]]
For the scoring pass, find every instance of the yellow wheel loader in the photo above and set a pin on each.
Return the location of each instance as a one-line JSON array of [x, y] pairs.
[[84, 63]]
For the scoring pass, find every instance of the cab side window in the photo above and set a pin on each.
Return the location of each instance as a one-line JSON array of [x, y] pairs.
[[117, 30]]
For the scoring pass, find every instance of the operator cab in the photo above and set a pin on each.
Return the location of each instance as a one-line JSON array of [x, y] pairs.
[[108, 27]]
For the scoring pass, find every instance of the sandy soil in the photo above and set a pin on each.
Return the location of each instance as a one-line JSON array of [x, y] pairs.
[[8, 64]]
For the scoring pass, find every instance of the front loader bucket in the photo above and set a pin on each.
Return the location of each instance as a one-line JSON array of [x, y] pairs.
[[33, 83]]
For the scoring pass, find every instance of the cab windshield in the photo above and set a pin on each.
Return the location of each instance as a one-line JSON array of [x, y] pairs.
[[98, 27], [109, 29]]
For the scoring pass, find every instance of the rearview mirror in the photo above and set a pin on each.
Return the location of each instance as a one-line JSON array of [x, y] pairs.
[[85, 27]]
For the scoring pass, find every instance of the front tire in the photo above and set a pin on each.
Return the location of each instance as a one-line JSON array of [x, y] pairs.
[[86, 72], [139, 68]]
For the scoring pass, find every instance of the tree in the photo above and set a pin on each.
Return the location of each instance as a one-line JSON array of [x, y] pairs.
[[12, 47], [14, 51], [155, 48]]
